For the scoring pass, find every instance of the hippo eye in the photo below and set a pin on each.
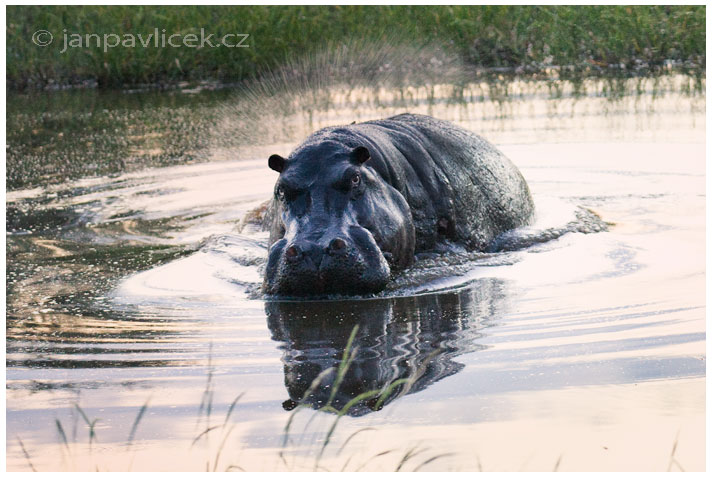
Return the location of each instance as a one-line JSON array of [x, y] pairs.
[[355, 180]]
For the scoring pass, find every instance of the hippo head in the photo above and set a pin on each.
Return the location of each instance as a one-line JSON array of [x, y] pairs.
[[337, 228]]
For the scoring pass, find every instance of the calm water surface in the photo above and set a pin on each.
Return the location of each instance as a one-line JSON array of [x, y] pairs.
[[132, 323]]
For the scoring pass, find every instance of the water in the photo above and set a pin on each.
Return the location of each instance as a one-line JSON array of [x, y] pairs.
[[129, 286]]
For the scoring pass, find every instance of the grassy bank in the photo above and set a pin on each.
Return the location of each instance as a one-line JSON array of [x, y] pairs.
[[482, 36]]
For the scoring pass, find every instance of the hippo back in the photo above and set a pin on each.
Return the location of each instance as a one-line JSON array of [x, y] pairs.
[[458, 186]]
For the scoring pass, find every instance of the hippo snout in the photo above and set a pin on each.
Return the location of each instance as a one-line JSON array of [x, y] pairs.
[[312, 253], [304, 254], [329, 265]]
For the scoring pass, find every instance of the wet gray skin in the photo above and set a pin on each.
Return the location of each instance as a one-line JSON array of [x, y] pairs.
[[353, 204]]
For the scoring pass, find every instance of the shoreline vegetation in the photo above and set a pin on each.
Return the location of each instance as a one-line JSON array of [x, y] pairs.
[[80, 133], [99, 46]]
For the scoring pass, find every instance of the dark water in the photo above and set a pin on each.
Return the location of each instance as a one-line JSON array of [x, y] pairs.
[[128, 285]]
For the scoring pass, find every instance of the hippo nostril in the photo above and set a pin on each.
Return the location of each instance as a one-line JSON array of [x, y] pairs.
[[292, 252], [337, 245]]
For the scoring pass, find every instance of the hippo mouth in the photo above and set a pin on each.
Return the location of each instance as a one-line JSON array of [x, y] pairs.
[[309, 270]]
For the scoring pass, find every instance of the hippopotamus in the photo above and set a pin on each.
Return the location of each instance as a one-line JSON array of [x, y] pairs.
[[354, 204]]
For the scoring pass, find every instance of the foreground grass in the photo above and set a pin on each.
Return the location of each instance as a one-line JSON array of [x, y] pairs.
[[213, 432], [526, 37], [309, 441]]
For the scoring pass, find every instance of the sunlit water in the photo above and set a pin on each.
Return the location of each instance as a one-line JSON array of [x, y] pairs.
[[586, 352]]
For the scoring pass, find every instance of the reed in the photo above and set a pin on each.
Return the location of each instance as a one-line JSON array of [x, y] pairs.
[[514, 37]]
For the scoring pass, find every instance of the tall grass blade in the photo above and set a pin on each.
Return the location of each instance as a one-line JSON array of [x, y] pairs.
[[346, 360], [220, 448], [348, 439], [136, 422], [27, 455], [203, 433], [315, 383], [91, 424], [430, 460], [383, 395], [62, 435], [673, 460], [406, 382], [360, 397], [232, 407], [377, 455], [408, 455], [207, 397]]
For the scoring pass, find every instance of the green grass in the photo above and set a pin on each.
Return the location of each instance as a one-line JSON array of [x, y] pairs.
[[482, 36]]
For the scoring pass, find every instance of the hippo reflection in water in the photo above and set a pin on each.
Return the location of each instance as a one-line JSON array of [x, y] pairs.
[[413, 338], [354, 204]]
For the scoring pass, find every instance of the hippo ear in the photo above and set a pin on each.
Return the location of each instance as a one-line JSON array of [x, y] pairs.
[[360, 154], [277, 162]]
